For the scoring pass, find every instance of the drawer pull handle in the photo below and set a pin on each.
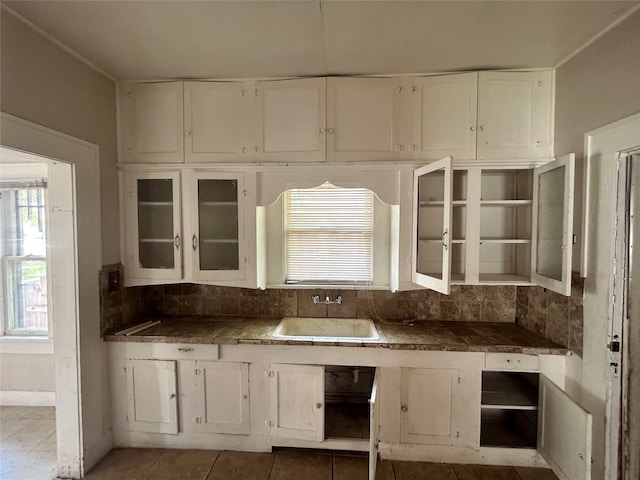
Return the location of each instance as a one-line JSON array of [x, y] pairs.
[[185, 349]]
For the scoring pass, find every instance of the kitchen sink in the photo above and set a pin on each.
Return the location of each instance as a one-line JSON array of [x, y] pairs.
[[354, 329]]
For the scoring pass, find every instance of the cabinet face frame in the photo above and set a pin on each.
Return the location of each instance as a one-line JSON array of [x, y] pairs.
[[441, 285], [132, 230], [291, 119], [563, 285], [157, 109], [460, 109], [235, 99], [152, 378], [192, 227], [395, 120], [228, 379], [288, 377]]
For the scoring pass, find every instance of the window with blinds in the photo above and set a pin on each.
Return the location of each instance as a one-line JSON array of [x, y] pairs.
[[328, 234]]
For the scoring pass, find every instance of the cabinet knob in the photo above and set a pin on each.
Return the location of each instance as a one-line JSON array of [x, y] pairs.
[[318, 405], [187, 133], [172, 396], [244, 150], [414, 148], [404, 408], [256, 148], [472, 128], [176, 240], [321, 130], [194, 242], [330, 130], [482, 127]]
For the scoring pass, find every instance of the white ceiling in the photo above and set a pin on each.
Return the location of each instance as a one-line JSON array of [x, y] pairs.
[[238, 39]]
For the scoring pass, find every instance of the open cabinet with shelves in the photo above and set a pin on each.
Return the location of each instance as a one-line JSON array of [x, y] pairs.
[[506, 201], [487, 225]]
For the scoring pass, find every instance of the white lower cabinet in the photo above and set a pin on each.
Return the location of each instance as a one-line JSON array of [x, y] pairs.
[[296, 401], [152, 396], [431, 404], [526, 410], [222, 403]]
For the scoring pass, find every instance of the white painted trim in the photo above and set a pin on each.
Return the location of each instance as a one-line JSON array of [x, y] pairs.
[[81, 392], [55, 41], [586, 179], [599, 35], [27, 399], [26, 345]]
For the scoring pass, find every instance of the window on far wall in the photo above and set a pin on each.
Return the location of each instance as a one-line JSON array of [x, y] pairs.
[[328, 235], [24, 263]]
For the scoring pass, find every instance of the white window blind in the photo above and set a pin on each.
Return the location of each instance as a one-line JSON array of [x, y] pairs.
[[328, 235]]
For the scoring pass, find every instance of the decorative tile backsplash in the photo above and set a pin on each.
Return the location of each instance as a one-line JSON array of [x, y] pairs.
[[552, 315]]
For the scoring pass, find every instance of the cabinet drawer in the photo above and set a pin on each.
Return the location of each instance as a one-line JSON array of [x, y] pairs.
[[185, 351], [511, 361]]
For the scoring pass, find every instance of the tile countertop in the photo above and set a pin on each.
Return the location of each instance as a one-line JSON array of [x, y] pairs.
[[424, 335]]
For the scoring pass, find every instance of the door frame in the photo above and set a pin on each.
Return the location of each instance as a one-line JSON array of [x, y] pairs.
[[80, 356], [601, 265]]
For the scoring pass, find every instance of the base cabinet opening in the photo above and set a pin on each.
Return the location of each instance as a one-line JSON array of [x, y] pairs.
[[347, 393]]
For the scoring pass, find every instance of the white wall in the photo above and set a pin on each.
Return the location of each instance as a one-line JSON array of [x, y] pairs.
[[43, 84], [596, 87]]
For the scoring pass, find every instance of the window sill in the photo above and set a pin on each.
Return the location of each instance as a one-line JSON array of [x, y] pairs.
[[26, 344]]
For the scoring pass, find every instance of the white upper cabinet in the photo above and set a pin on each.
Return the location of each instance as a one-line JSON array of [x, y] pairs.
[[444, 116], [152, 123], [214, 226], [218, 121], [552, 235], [153, 225], [364, 119], [432, 217], [291, 120], [514, 115]]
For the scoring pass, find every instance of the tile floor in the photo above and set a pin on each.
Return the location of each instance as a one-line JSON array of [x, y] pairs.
[[287, 464], [27, 452], [27, 443]]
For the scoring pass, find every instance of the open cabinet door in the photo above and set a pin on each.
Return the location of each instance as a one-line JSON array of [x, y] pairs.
[[374, 416], [564, 433], [432, 201], [552, 229]]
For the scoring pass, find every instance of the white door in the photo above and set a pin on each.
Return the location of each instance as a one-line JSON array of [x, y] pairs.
[[432, 238], [444, 116], [297, 401], [364, 119], [222, 391], [152, 115], [552, 229], [514, 115], [153, 225], [430, 406], [291, 120], [152, 396], [214, 226], [374, 425], [564, 433], [218, 121]]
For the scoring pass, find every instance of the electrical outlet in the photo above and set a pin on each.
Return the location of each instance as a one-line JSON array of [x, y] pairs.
[[114, 281]]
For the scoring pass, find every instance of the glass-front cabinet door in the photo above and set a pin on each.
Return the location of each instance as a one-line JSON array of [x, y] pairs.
[[152, 206], [552, 228], [432, 239], [215, 225]]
